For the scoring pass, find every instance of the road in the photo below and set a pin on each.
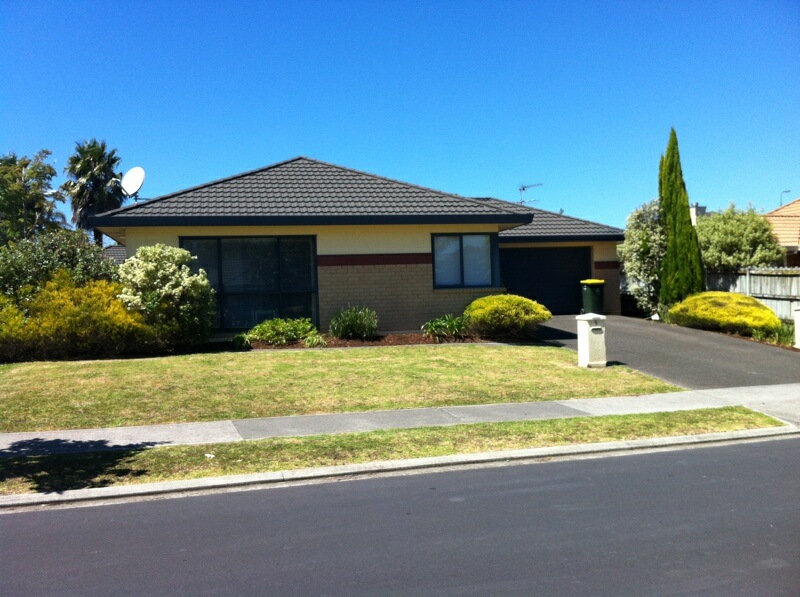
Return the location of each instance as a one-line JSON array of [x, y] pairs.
[[710, 521]]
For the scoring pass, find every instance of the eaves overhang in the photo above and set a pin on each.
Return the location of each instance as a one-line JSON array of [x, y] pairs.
[[311, 220], [560, 238]]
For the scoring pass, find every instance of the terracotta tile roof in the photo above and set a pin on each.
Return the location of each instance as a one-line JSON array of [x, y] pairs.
[[306, 191], [790, 209], [786, 223]]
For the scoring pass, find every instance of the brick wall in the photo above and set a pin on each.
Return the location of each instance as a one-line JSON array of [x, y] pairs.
[[401, 294], [609, 271]]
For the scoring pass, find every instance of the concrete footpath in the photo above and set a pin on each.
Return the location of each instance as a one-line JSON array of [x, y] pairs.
[[779, 401]]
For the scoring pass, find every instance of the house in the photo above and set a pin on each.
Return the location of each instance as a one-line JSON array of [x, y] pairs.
[[786, 225], [304, 238], [116, 252]]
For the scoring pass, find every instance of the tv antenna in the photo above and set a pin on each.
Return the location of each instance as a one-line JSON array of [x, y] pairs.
[[132, 181], [525, 187]]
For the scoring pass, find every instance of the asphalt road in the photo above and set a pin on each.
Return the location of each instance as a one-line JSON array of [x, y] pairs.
[[712, 521], [693, 359]]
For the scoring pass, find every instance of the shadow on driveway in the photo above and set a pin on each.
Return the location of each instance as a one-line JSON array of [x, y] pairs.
[[694, 359]]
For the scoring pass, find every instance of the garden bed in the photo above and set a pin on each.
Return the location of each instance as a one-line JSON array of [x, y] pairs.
[[398, 339]]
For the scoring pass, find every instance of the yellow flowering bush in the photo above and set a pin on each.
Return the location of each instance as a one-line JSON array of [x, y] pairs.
[[725, 312]]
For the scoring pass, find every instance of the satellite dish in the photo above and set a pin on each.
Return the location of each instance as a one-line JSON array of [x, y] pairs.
[[133, 181]]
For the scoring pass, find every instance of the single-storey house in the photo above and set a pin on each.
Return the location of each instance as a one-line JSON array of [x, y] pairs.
[[786, 224], [304, 238]]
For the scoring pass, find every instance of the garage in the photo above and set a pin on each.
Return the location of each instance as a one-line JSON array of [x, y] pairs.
[[549, 275]]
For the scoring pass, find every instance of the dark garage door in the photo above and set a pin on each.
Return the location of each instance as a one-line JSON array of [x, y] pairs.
[[549, 276]]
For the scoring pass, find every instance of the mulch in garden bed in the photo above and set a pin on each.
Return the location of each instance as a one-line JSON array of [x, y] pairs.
[[384, 340]]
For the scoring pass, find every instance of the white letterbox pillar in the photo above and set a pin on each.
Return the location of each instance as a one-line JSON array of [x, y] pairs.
[[797, 327], [591, 340]]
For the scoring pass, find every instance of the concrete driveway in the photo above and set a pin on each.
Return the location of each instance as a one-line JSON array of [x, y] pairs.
[[693, 359]]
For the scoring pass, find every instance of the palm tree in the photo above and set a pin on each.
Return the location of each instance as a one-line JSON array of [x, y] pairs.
[[93, 184]]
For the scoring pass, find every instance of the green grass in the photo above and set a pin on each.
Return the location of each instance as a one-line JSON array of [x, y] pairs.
[[206, 387], [101, 469]]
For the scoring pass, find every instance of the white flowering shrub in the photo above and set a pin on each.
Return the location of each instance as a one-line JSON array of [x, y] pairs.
[[642, 254], [176, 302]]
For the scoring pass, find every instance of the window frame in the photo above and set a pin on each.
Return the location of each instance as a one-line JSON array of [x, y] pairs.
[[221, 294], [494, 259]]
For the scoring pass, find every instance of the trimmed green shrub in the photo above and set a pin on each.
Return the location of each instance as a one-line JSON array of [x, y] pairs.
[[281, 332], [241, 342], [67, 321], [505, 316], [25, 266], [446, 327], [355, 323], [725, 312], [177, 303], [783, 336]]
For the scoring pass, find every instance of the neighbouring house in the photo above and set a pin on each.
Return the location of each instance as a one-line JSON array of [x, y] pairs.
[[116, 252], [786, 225], [304, 238]]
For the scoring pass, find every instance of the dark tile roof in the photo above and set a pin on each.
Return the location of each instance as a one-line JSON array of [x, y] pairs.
[[306, 191], [115, 252], [548, 226]]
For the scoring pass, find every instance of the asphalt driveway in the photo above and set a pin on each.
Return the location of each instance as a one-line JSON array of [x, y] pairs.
[[693, 359]]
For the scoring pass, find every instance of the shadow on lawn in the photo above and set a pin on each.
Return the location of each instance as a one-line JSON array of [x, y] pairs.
[[54, 466]]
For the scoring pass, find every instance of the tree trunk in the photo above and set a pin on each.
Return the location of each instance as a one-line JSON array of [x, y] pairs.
[[98, 238]]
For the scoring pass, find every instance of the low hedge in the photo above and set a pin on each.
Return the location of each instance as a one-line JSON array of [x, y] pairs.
[[725, 312], [505, 316]]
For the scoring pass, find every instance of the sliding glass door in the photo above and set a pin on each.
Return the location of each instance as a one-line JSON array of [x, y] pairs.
[[258, 278]]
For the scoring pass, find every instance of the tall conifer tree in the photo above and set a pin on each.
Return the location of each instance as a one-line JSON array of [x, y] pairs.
[[682, 267]]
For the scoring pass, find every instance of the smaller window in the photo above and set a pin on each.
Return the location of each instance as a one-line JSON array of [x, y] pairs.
[[464, 260]]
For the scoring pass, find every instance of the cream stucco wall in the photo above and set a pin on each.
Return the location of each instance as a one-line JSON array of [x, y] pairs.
[[601, 250], [331, 240]]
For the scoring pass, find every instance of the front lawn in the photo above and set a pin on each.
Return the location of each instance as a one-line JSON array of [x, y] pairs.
[[27, 474], [206, 387]]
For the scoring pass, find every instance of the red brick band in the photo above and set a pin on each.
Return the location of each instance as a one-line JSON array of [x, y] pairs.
[[606, 265], [382, 259]]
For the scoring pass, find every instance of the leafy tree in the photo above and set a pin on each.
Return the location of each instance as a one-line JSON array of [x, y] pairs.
[[735, 239], [642, 253], [682, 267], [177, 303], [27, 199], [25, 266], [94, 184]]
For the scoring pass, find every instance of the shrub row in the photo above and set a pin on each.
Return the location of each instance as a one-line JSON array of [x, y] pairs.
[[500, 316], [61, 298]]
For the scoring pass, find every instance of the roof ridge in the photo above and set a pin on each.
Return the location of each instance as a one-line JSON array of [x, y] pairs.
[[206, 184], [402, 182], [295, 159], [560, 215]]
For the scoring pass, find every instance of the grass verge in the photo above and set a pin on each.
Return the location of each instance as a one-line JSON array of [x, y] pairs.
[[208, 387], [57, 473]]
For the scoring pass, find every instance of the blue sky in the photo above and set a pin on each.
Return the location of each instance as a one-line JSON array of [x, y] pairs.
[[473, 98]]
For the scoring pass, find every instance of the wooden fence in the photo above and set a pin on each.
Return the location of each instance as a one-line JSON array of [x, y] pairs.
[[777, 287]]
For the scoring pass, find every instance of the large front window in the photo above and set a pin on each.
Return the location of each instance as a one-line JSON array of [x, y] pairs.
[[258, 278], [464, 260]]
